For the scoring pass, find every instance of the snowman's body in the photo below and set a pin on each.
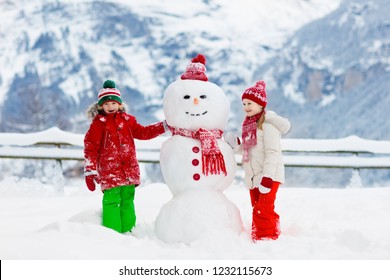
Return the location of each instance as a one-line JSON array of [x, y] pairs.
[[182, 165], [198, 205]]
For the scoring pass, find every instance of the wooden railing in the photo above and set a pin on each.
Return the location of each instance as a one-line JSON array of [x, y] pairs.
[[350, 152]]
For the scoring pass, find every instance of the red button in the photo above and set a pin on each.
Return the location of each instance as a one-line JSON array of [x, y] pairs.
[[195, 149], [195, 162], [196, 176]]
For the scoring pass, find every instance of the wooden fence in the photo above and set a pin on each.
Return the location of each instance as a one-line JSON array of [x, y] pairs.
[[350, 152]]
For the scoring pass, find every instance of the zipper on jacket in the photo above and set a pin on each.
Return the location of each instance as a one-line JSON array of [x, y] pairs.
[[105, 139]]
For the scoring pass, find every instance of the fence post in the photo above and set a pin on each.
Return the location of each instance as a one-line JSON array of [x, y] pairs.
[[356, 180], [58, 180]]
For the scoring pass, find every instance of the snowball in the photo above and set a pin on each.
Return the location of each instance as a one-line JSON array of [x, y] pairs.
[[196, 213]]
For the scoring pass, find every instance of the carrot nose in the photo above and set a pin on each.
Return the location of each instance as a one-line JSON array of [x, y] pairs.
[[196, 101]]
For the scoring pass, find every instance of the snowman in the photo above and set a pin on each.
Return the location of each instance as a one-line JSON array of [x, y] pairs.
[[197, 164]]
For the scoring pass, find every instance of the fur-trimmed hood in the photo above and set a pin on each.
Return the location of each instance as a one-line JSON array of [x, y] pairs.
[[93, 110]]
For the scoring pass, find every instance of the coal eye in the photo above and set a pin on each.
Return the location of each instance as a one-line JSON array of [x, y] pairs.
[[187, 97], [203, 96]]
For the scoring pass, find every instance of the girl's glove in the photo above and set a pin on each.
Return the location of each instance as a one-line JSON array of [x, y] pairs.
[[266, 185], [166, 125], [232, 140], [91, 179]]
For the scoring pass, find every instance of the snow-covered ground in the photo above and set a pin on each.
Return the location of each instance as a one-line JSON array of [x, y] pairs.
[[322, 224], [333, 226], [45, 234]]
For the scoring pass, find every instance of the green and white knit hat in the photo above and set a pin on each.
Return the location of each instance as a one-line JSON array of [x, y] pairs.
[[109, 92]]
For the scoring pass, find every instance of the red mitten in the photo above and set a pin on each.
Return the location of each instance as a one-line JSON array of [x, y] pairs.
[[266, 185], [90, 180]]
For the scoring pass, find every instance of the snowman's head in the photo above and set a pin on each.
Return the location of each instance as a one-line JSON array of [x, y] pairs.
[[194, 104]]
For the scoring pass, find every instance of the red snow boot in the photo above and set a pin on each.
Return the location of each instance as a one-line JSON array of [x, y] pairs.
[[265, 221]]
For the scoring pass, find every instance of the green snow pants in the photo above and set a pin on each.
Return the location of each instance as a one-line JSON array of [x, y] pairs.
[[118, 211]]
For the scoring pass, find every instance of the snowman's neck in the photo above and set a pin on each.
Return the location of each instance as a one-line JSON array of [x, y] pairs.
[[213, 162], [196, 134]]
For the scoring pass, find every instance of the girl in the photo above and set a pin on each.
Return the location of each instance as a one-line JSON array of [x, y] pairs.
[[262, 160], [110, 156]]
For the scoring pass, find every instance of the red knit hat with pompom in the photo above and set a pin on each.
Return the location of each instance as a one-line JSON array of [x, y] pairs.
[[256, 93], [196, 70]]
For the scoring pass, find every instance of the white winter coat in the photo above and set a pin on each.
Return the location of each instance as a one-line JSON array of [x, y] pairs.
[[266, 157]]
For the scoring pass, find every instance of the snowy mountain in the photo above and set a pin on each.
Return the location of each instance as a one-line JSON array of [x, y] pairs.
[[318, 58], [337, 69]]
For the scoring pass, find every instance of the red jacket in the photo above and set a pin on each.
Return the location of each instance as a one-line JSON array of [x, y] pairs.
[[110, 150]]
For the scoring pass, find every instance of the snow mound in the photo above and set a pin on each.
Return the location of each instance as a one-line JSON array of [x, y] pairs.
[[194, 214]]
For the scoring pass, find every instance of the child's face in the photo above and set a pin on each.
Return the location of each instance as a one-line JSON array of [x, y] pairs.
[[110, 107], [251, 108]]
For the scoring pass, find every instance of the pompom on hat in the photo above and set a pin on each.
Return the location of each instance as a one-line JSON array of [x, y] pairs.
[[109, 92], [256, 93], [196, 70]]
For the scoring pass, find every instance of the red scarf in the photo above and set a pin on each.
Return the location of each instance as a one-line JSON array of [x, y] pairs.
[[212, 158], [249, 134]]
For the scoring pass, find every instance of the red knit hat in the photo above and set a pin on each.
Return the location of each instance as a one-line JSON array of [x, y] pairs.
[[196, 70], [256, 93]]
